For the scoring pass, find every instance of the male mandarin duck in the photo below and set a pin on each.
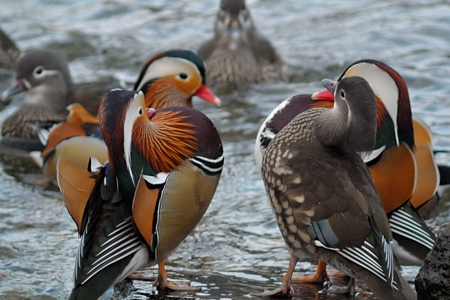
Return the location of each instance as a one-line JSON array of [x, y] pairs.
[[163, 170], [45, 79], [77, 139], [170, 78], [323, 196], [238, 53], [395, 170]]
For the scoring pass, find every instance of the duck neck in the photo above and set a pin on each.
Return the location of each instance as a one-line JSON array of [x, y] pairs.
[[164, 96], [336, 128], [332, 127]]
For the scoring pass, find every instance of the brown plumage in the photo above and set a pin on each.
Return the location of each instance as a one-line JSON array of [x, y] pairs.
[[238, 54], [323, 196]]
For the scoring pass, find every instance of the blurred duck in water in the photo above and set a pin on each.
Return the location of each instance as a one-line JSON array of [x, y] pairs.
[[44, 78], [238, 54]]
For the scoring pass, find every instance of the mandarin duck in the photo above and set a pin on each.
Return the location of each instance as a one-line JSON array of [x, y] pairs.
[[45, 79], [238, 54], [397, 169], [170, 78], [163, 170], [323, 197], [400, 137], [76, 139]]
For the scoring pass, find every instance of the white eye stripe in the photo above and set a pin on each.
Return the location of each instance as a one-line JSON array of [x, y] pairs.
[[40, 72], [168, 66], [130, 117]]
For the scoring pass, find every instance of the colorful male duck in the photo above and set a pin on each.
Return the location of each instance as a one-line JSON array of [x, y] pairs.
[[163, 170], [170, 78], [237, 53], [323, 196], [395, 162]]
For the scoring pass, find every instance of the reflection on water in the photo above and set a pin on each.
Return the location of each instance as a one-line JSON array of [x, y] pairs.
[[237, 249]]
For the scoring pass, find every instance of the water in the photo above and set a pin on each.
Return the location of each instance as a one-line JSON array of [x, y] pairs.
[[237, 248]]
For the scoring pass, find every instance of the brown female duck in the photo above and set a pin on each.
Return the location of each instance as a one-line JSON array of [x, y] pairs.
[[44, 77], [323, 196], [237, 53]]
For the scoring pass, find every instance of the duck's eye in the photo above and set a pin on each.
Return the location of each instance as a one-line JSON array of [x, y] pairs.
[[343, 94], [38, 71], [140, 111], [183, 76]]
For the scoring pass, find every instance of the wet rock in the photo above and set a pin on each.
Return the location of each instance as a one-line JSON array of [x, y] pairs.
[[433, 280]]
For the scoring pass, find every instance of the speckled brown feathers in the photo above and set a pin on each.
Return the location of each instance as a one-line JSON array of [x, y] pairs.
[[238, 54], [323, 196]]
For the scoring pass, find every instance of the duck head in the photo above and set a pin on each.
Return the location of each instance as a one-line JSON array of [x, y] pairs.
[[233, 23], [351, 123], [394, 117], [43, 75], [172, 78]]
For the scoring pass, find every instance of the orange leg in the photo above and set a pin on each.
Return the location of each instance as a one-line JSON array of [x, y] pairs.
[[285, 287], [319, 277], [163, 283], [321, 274]]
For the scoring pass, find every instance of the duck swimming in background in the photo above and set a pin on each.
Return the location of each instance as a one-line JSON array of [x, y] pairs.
[[323, 196], [238, 54], [402, 154], [170, 78], [163, 170], [44, 77]]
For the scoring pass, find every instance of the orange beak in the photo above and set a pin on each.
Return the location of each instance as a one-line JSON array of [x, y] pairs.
[[205, 93]]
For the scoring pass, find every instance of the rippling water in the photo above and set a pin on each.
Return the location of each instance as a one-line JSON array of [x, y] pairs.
[[237, 249]]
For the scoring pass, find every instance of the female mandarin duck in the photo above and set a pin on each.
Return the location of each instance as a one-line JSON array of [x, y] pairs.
[[323, 196], [45, 79], [396, 173], [170, 78], [238, 53], [163, 170]]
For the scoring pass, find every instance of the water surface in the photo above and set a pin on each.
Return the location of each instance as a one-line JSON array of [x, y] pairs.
[[237, 248]]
